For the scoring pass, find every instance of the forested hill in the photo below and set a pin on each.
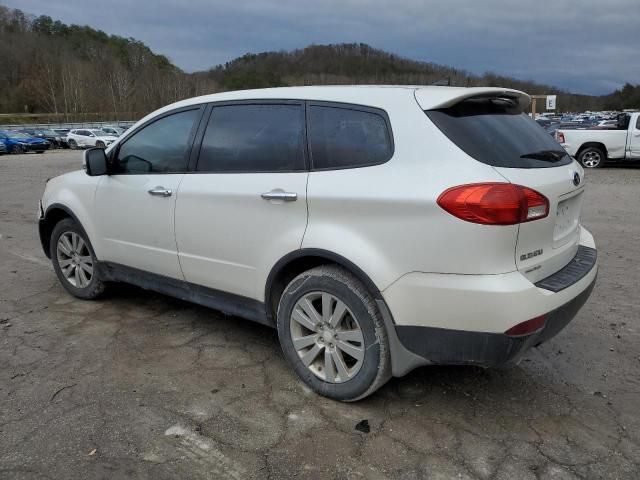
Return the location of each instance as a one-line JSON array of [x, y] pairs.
[[76, 71], [361, 64], [48, 66]]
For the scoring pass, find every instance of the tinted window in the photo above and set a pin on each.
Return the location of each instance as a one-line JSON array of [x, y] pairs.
[[346, 138], [253, 138], [496, 132], [160, 147]]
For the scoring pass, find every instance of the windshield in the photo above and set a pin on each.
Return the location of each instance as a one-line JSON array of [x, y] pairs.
[[18, 135], [100, 133], [496, 132]]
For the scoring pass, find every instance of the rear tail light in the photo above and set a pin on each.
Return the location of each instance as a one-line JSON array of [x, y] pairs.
[[494, 203], [560, 137], [527, 328]]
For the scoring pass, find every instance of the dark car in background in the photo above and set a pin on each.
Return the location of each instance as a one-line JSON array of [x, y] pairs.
[[62, 133], [46, 134], [18, 142], [3, 148]]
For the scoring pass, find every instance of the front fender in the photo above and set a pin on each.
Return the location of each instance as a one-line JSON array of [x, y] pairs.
[[74, 194]]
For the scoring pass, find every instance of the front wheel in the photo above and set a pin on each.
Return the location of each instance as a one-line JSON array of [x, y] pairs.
[[592, 157], [74, 260], [100, 144], [17, 149], [73, 145], [333, 335]]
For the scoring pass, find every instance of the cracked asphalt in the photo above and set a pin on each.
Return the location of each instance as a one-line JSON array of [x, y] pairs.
[[139, 385]]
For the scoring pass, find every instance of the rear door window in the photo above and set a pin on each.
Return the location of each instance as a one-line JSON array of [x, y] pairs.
[[495, 131], [346, 137], [253, 138]]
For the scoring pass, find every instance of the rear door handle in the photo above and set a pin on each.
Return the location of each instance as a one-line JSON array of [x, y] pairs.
[[278, 195], [160, 192]]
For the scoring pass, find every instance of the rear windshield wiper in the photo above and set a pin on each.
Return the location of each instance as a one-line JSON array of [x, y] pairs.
[[548, 155]]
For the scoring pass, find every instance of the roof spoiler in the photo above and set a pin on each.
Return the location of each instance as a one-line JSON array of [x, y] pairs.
[[435, 98]]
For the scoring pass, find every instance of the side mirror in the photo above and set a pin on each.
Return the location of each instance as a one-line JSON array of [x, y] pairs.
[[95, 162]]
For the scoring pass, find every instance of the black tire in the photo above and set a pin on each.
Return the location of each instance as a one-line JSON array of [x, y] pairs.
[[100, 144], [592, 157], [72, 144], [96, 286], [40, 151], [17, 149], [375, 369]]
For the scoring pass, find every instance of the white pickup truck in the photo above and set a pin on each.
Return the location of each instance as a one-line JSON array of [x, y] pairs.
[[592, 148]]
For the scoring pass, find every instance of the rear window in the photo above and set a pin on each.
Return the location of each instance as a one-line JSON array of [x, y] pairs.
[[496, 132]]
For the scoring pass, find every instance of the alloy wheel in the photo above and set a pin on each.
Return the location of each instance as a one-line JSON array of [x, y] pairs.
[[74, 259], [327, 337], [591, 159]]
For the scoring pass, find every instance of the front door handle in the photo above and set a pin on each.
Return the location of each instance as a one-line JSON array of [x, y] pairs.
[[279, 195], [160, 192]]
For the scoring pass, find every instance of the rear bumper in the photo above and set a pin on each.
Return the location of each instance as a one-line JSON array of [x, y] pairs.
[[455, 347], [462, 319]]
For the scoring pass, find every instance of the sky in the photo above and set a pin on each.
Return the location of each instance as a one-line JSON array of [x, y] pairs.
[[583, 46]]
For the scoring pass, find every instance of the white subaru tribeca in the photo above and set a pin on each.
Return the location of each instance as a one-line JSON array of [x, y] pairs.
[[377, 228]]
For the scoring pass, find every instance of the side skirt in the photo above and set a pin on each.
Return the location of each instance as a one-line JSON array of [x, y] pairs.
[[228, 303]]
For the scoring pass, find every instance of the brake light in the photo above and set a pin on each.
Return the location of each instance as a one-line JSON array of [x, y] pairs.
[[527, 328], [494, 203], [560, 137]]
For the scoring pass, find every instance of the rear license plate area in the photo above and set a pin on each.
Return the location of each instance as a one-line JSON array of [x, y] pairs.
[[567, 217]]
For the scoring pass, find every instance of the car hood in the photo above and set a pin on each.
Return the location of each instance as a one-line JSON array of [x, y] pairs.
[[110, 138]]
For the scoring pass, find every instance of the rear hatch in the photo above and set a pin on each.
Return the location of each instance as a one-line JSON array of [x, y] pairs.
[[492, 128]]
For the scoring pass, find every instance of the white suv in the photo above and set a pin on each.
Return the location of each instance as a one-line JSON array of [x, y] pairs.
[[85, 137], [378, 228]]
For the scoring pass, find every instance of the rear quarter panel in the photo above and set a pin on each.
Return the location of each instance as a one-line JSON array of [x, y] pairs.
[[385, 218], [613, 140]]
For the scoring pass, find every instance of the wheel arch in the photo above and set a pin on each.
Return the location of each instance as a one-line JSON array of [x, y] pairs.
[[54, 214], [599, 145], [294, 263]]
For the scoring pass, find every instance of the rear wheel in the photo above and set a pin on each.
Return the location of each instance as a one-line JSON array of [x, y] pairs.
[[72, 144], [592, 157], [17, 149], [74, 260], [333, 335]]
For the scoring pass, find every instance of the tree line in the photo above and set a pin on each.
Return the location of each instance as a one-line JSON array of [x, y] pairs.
[[72, 71]]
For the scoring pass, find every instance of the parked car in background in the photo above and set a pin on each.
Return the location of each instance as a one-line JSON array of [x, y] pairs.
[[83, 138], [18, 142], [543, 122], [49, 135], [113, 131], [593, 147], [402, 226], [3, 148], [63, 132], [607, 124]]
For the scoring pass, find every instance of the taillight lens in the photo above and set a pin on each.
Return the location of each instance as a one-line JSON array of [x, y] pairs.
[[527, 328], [494, 203], [560, 137]]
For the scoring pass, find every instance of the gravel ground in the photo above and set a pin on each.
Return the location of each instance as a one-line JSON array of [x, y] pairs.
[[143, 386]]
